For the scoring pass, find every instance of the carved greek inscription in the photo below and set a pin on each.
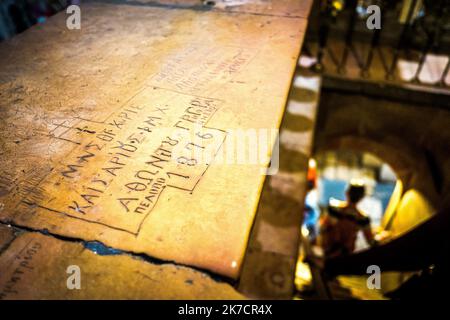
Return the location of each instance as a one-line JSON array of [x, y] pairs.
[[115, 176]]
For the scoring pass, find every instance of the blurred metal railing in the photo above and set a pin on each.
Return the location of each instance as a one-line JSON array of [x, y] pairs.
[[412, 46]]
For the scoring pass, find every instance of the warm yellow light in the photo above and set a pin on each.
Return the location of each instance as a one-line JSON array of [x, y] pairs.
[[305, 232], [338, 5], [312, 163], [303, 275]]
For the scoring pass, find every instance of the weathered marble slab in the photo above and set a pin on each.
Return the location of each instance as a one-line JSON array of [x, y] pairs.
[[40, 267], [90, 120]]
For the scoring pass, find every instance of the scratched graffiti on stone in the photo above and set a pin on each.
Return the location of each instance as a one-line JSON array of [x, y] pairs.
[[90, 121]]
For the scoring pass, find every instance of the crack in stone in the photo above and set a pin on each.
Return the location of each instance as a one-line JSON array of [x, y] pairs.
[[96, 246]]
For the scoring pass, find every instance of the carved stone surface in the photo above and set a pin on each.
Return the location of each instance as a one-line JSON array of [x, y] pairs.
[[41, 267], [91, 120]]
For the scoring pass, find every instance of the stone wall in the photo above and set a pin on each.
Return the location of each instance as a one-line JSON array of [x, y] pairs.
[[413, 139]]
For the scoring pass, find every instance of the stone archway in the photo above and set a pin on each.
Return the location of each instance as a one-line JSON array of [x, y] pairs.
[[410, 166]]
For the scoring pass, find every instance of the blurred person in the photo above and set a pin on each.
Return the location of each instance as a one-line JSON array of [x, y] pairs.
[[312, 211], [340, 226]]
